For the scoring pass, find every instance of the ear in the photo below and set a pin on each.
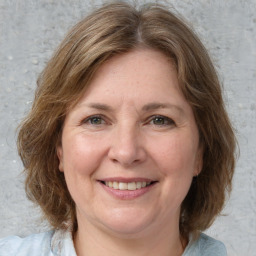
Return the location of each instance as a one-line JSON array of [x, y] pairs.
[[199, 160], [60, 156]]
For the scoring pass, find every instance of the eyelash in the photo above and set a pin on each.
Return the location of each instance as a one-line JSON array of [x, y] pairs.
[[89, 120], [166, 120]]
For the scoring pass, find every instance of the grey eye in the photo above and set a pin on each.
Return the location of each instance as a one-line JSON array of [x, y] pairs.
[[161, 120], [95, 120]]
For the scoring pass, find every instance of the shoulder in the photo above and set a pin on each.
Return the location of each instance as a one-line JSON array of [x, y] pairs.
[[210, 246], [36, 244], [205, 246]]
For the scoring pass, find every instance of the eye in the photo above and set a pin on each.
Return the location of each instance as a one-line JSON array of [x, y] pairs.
[[161, 121], [94, 120]]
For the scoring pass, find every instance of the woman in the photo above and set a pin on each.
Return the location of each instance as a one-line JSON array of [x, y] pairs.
[[128, 147]]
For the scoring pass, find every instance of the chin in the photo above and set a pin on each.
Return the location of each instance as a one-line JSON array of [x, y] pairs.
[[127, 222]]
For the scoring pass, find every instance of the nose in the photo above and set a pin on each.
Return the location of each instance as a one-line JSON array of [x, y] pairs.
[[127, 148]]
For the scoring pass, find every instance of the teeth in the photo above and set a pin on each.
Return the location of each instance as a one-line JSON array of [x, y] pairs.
[[131, 186], [138, 185], [115, 185], [123, 186], [127, 186]]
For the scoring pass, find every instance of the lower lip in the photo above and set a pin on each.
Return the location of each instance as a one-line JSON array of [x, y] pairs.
[[127, 194]]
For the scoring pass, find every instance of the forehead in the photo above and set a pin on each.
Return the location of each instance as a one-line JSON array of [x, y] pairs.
[[143, 72]]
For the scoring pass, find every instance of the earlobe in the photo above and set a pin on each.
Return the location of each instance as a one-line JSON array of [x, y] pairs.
[[60, 157]]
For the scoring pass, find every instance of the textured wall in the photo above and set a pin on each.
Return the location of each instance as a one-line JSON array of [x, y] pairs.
[[29, 32]]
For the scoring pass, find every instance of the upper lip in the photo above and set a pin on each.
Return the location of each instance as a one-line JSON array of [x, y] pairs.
[[127, 180]]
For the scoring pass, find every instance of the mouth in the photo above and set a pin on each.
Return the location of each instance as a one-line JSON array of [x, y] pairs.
[[129, 186]]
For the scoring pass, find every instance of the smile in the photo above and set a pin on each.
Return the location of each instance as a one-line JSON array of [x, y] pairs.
[[127, 185], [127, 188]]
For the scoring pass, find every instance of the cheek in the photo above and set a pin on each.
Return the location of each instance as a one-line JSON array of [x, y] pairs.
[[81, 155], [177, 163], [80, 161], [177, 156]]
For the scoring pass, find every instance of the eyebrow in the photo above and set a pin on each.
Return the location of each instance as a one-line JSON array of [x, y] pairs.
[[156, 105], [148, 107], [100, 106]]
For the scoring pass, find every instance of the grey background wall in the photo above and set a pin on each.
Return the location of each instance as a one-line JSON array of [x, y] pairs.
[[29, 32]]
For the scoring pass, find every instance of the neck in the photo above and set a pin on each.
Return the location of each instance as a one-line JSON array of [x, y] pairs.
[[89, 241]]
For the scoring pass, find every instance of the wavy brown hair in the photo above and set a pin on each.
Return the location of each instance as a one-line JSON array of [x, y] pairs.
[[115, 29]]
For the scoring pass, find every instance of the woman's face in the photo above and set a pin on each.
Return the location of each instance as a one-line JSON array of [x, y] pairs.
[[130, 147]]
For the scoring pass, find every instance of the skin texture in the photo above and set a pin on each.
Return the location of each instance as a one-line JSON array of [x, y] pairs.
[[142, 127]]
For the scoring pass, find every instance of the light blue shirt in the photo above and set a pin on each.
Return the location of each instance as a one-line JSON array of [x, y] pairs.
[[60, 243]]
